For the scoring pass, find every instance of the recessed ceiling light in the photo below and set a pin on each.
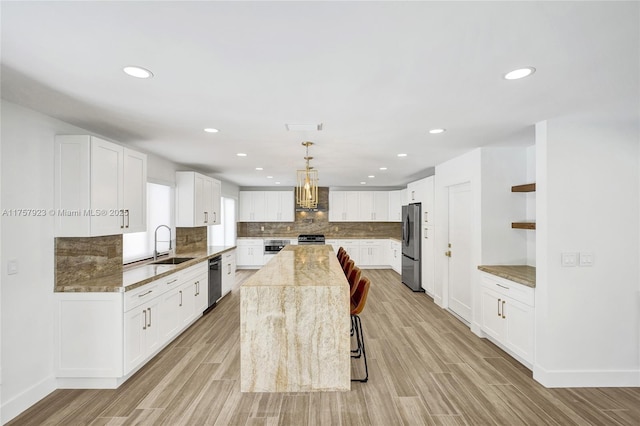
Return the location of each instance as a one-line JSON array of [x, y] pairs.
[[211, 130], [436, 131], [371, 176], [277, 183], [259, 168], [402, 155], [269, 177], [304, 127], [519, 73], [383, 168], [138, 72], [363, 183], [241, 154]]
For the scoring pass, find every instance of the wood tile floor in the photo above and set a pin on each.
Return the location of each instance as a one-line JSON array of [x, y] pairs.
[[425, 367]]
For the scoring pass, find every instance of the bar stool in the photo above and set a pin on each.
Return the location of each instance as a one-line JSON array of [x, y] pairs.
[[348, 266], [343, 258], [341, 252], [354, 278], [358, 301]]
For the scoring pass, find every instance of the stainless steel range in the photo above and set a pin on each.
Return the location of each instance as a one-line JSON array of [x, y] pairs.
[[274, 246], [310, 239]]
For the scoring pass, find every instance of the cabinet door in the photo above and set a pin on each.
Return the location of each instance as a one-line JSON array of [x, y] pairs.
[[228, 272], [287, 207], [187, 305], [135, 191], [337, 206], [106, 188], [207, 202], [519, 328], [395, 206], [381, 206], [428, 260], [201, 295], [428, 201], [200, 188], [365, 206], [244, 208], [272, 206], [492, 322], [352, 206], [153, 337], [170, 314], [135, 325], [216, 202]]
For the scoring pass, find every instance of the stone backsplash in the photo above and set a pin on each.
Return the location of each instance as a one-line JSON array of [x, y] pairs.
[[81, 259], [317, 223], [191, 239]]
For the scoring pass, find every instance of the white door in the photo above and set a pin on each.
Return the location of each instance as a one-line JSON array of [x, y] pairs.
[[460, 250]]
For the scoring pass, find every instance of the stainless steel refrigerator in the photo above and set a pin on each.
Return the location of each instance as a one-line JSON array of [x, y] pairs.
[[411, 273]]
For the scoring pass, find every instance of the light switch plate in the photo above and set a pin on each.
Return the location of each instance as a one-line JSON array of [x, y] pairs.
[[12, 266], [586, 259], [569, 259]]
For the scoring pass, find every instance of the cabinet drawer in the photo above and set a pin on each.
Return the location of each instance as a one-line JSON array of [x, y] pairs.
[[195, 271], [249, 242], [140, 295], [515, 291]]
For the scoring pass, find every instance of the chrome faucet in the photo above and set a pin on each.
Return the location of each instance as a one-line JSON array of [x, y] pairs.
[[155, 241]]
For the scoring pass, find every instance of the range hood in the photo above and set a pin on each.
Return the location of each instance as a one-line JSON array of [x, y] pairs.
[[323, 202]]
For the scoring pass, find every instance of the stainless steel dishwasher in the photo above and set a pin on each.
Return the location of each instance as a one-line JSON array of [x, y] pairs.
[[215, 281]]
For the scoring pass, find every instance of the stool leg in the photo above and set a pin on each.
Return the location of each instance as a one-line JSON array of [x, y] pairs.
[[360, 335], [357, 352]]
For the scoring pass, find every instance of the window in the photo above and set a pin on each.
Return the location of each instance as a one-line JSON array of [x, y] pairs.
[[139, 245], [225, 233]]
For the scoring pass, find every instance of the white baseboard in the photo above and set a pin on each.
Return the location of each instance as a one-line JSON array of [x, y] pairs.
[[26, 399], [586, 378]]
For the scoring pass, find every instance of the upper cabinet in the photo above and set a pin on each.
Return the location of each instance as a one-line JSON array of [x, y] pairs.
[[100, 187], [197, 200], [423, 191], [359, 206], [266, 206], [395, 205]]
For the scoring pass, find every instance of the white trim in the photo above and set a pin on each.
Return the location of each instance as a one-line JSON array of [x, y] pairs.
[[586, 378], [26, 399]]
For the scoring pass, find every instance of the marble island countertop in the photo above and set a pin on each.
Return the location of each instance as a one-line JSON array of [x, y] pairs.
[[521, 274], [134, 276]]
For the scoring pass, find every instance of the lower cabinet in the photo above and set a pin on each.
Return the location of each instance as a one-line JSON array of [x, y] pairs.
[[250, 253], [508, 316], [395, 256], [102, 338], [228, 271]]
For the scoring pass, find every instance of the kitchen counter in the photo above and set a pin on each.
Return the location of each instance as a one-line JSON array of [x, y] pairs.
[[134, 276], [521, 274], [294, 324]]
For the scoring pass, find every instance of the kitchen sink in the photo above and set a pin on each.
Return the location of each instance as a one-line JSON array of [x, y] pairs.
[[173, 261]]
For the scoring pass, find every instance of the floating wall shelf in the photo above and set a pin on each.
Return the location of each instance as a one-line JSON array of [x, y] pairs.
[[523, 225], [529, 187]]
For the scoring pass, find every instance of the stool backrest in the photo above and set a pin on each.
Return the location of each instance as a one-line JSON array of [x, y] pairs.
[[354, 278], [348, 267], [359, 298]]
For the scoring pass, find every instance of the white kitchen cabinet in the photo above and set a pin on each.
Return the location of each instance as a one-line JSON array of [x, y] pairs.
[[252, 206], [371, 253], [103, 338], [100, 187], [374, 206], [395, 256], [333, 243], [250, 253], [395, 206], [141, 333], [228, 271], [507, 316], [279, 206], [428, 259], [197, 200]]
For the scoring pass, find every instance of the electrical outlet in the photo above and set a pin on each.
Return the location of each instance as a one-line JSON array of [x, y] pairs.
[[586, 259], [569, 259]]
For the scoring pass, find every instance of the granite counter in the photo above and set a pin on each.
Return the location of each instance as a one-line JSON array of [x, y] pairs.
[[521, 274]]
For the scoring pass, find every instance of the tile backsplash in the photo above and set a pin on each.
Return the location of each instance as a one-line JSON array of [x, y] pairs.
[[80, 259]]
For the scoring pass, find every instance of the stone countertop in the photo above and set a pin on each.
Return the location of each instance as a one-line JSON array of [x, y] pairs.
[[521, 274], [300, 266], [134, 276]]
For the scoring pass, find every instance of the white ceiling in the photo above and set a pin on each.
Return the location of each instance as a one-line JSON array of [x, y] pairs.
[[378, 75]]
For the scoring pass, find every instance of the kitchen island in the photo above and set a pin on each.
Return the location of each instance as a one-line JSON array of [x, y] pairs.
[[294, 324]]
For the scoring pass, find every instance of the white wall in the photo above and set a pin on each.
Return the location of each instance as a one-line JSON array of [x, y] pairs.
[[531, 205], [587, 318], [27, 297]]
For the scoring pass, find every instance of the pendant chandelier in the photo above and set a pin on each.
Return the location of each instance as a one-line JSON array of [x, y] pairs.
[[307, 189]]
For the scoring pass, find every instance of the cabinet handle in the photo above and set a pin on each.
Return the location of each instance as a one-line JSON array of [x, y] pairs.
[[144, 326], [215, 216], [503, 302], [149, 325], [229, 271], [126, 213], [502, 286], [426, 237], [196, 285], [172, 281], [122, 216], [180, 298], [206, 217], [426, 218], [499, 300], [144, 294]]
